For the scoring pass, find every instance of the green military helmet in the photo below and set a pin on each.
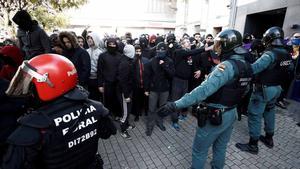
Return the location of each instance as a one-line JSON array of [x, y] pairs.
[[273, 36], [227, 40]]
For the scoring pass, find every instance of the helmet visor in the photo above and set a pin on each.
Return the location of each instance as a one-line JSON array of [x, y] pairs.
[[21, 82], [217, 47]]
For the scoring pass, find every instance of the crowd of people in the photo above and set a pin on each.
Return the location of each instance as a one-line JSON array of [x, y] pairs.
[[152, 75]]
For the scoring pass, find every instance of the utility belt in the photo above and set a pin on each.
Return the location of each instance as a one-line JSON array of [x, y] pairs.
[[212, 114]]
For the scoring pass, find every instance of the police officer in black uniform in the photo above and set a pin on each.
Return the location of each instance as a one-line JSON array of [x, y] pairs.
[[63, 127]]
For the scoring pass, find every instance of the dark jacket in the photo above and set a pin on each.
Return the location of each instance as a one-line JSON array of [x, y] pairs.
[[158, 77], [125, 76], [183, 62], [11, 109], [148, 52], [34, 42], [81, 59], [107, 70], [139, 72], [204, 62]]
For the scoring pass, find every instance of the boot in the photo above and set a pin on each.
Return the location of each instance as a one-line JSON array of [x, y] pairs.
[[250, 147], [267, 140], [149, 131]]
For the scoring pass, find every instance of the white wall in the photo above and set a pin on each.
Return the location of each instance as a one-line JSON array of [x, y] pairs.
[[107, 15], [206, 13]]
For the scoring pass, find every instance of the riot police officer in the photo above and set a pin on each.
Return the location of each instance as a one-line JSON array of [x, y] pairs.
[[222, 91], [63, 127], [270, 68]]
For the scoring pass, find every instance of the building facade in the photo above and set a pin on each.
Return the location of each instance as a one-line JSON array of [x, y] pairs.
[[120, 16], [256, 16], [204, 16]]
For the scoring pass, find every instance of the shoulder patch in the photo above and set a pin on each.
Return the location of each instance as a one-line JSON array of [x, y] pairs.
[[221, 67]]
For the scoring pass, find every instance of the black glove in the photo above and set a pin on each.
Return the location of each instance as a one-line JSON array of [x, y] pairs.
[[166, 109]]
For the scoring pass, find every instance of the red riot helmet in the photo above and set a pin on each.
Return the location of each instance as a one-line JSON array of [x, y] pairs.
[[52, 76]]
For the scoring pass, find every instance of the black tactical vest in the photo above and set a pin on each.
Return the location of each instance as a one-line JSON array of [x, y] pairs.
[[72, 141], [231, 93], [67, 132], [277, 71]]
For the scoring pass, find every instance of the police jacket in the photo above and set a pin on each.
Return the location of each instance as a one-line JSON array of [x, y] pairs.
[[62, 134], [221, 79], [277, 69]]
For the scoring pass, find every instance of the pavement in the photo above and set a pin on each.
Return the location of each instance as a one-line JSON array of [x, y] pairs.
[[172, 149]]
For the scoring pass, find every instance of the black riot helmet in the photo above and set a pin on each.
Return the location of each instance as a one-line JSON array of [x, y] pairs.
[[171, 38], [228, 40], [273, 36]]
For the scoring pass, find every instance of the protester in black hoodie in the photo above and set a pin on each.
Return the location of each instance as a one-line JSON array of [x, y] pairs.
[[158, 74], [108, 64], [172, 45], [146, 51], [32, 38]]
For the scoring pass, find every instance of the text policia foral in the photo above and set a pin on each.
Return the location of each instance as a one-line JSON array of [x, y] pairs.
[[81, 125]]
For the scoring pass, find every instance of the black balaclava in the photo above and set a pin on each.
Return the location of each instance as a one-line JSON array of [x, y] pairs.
[[159, 39], [171, 38], [23, 20], [143, 42], [112, 50], [161, 51]]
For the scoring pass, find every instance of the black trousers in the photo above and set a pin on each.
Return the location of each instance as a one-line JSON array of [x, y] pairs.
[[94, 91], [111, 99], [139, 102]]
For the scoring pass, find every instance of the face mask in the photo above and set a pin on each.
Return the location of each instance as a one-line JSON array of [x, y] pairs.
[[296, 41], [111, 49], [160, 54]]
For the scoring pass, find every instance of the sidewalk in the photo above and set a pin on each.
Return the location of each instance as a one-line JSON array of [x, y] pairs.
[[172, 149]]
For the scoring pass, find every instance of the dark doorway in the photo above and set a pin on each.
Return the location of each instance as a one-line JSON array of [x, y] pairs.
[[258, 23]]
